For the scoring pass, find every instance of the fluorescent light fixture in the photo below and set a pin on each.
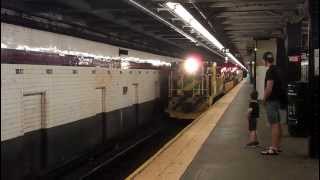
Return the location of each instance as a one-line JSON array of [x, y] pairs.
[[180, 11], [162, 20], [235, 60], [150, 12]]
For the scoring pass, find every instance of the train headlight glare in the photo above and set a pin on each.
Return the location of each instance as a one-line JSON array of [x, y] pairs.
[[191, 65]]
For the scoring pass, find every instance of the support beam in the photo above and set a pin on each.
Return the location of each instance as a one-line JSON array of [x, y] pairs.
[[283, 7], [253, 21], [249, 28], [255, 66], [261, 18], [246, 31], [262, 14], [240, 4]]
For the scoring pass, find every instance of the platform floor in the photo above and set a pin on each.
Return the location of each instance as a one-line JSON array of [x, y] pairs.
[[224, 157], [213, 148]]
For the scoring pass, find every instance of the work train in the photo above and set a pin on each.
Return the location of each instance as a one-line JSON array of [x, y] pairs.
[[193, 86], [61, 108]]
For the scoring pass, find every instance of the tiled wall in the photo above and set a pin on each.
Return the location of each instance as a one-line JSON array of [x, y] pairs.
[[69, 93]]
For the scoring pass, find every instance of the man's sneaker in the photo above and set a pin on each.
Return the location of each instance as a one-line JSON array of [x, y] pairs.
[[253, 144], [270, 151]]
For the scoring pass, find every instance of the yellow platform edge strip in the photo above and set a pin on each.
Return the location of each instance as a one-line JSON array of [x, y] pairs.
[[168, 144]]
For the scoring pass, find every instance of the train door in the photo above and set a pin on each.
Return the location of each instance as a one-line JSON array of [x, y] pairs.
[[32, 112], [214, 80], [100, 107], [156, 107], [156, 90], [136, 102], [33, 120]]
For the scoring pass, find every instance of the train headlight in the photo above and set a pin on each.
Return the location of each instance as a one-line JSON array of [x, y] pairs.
[[191, 65]]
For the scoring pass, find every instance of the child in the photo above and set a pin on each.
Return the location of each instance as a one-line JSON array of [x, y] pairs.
[[253, 115]]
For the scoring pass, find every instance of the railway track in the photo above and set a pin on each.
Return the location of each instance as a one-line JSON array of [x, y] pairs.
[[125, 157]]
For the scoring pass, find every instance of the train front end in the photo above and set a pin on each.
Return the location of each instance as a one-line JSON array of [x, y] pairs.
[[190, 88]]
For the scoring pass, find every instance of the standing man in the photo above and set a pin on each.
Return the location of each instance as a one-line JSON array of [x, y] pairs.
[[271, 99]]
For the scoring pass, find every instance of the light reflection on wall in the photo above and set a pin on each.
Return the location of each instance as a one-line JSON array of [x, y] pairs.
[[87, 58], [3, 46]]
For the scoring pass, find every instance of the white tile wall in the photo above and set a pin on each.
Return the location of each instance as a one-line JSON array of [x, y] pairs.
[[68, 97]]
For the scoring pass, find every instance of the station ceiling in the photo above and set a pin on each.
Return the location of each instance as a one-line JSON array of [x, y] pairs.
[[235, 23]]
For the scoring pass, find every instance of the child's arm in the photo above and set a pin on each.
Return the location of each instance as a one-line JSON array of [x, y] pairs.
[[249, 112]]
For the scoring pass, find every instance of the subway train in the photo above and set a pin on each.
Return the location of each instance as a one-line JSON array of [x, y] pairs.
[[194, 85], [59, 108]]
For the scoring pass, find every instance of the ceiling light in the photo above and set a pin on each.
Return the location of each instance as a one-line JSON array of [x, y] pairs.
[[180, 11], [235, 60], [151, 13]]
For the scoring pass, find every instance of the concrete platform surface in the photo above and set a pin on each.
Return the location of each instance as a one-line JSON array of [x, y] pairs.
[[172, 160], [224, 157]]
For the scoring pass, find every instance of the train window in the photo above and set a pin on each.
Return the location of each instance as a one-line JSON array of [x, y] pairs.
[[93, 72], [19, 71], [49, 71], [74, 71], [124, 90]]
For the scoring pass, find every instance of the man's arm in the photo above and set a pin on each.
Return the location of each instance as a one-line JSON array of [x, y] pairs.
[[268, 90]]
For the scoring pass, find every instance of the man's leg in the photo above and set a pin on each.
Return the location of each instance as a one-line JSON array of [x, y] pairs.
[[276, 131], [280, 135], [276, 135]]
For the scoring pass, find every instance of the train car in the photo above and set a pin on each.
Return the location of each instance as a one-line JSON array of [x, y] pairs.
[[64, 108], [232, 76], [193, 86]]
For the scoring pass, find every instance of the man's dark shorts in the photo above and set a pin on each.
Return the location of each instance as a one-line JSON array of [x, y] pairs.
[[273, 111], [252, 124]]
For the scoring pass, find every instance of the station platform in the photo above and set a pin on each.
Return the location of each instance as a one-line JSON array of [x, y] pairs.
[[213, 147]]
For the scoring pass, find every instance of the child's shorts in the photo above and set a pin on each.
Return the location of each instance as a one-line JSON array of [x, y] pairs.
[[252, 124]]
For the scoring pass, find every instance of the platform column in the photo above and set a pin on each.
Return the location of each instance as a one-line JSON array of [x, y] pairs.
[[255, 66], [293, 47], [314, 78]]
